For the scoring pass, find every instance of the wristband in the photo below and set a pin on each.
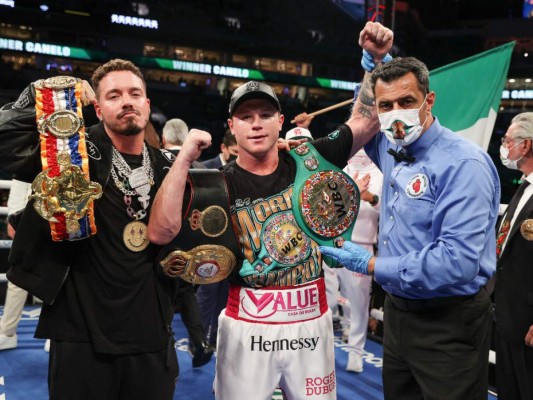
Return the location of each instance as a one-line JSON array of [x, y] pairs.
[[374, 201], [368, 63]]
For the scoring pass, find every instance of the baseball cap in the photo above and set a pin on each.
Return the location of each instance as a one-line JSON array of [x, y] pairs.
[[252, 90], [298, 133]]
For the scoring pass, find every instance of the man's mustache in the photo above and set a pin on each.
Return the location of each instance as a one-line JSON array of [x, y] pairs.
[[129, 110]]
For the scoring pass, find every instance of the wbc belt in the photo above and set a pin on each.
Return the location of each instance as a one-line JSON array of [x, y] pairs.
[[325, 200], [191, 255], [325, 204], [63, 192]]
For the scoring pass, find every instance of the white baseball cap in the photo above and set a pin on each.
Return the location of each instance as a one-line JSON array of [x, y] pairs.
[[298, 133]]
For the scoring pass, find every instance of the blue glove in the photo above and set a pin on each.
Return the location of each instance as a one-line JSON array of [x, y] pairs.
[[351, 255], [367, 61]]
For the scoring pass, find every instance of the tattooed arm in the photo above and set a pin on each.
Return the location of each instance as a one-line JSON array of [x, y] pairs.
[[376, 40]]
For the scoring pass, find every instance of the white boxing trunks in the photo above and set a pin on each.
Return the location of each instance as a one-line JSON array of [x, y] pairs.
[[272, 336]]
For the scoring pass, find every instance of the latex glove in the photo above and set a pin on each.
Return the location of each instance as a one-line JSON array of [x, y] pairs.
[[351, 255]]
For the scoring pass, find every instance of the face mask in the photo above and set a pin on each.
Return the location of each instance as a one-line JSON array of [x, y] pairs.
[[504, 154], [402, 127]]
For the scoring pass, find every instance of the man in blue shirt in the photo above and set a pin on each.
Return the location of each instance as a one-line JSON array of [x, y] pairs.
[[437, 245]]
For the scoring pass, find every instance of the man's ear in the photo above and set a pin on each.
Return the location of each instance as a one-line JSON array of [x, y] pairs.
[[98, 111], [430, 100], [528, 143]]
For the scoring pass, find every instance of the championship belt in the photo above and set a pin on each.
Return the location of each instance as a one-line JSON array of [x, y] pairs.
[[63, 192], [325, 203], [325, 200], [191, 255]]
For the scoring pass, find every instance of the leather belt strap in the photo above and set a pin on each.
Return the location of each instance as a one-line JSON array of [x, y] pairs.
[[191, 255], [405, 304]]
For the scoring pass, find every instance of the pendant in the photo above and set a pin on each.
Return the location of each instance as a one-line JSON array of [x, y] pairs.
[[526, 229], [139, 178], [143, 190], [135, 236]]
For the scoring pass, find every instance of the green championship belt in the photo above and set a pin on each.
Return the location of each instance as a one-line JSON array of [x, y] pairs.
[[325, 200], [325, 203]]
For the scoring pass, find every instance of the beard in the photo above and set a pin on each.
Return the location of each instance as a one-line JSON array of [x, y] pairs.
[[131, 130], [132, 127]]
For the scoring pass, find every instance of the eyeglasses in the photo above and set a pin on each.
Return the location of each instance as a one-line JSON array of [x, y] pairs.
[[506, 140]]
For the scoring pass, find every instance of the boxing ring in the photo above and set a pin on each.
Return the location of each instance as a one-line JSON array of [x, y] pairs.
[[374, 313]]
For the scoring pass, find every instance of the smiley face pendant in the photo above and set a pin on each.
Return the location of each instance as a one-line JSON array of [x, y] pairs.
[[135, 236]]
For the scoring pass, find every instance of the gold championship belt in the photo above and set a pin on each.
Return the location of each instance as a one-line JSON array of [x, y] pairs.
[[63, 192], [191, 255]]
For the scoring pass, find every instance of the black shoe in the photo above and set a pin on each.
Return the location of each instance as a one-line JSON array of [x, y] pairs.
[[201, 355]]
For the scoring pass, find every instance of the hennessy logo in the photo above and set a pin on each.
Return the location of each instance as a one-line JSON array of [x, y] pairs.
[[261, 344], [263, 304]]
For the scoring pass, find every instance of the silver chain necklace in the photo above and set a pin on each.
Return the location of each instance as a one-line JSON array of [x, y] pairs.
[[135, 182]]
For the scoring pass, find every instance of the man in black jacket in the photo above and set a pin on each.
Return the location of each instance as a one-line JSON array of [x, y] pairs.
[[107, 308], [513, 294]]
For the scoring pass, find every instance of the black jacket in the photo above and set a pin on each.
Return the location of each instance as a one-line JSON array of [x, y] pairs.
[[513, 294], [19, 156]]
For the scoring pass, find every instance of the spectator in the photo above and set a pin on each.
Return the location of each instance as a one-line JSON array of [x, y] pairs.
[[228, 152], [512, 294], [174, 133], [357, 286], [15, 296]]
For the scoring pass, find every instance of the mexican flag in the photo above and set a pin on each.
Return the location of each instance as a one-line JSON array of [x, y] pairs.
[[469, 93]]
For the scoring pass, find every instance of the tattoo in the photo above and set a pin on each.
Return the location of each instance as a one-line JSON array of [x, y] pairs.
[[365, 111], [365, 104], [365, 95]]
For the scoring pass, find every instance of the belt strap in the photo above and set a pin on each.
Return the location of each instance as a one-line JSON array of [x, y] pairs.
[[424, 304], [63, 192], [191, 255]]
